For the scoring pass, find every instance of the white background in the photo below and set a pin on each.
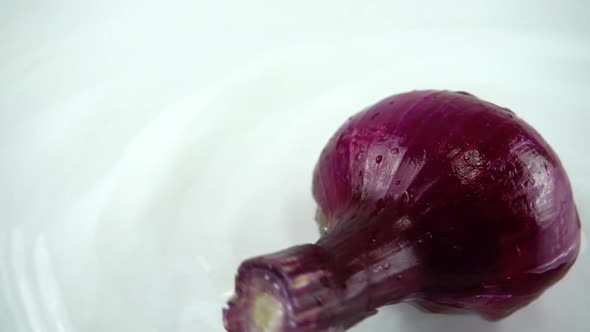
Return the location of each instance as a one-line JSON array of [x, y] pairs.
[[146, 148]]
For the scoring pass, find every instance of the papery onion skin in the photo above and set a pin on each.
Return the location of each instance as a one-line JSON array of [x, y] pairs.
[[432, 197]]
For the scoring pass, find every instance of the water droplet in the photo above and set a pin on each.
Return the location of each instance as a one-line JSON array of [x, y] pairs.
[[508, 278], [358, 156], [373, 240], [397, 182], [386, 266], [379, 159], [395, 150], [318, 300], [420, 240], [399, 277], [531, 205], [407, 197], [276, 286]]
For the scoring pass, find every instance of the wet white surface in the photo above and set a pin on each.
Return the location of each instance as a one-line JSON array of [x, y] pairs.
[[147, 148]]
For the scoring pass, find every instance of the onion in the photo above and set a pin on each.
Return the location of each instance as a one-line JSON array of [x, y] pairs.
[[431, 197]]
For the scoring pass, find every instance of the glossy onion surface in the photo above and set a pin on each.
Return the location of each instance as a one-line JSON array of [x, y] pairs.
[[432, 197]]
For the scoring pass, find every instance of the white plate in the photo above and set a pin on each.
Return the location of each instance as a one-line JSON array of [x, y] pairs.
[[146, 149]]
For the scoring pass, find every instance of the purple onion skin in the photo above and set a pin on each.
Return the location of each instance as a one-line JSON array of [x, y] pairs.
[[436, 198]]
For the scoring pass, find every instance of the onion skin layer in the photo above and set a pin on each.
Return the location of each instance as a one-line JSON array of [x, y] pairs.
[[436, 198]]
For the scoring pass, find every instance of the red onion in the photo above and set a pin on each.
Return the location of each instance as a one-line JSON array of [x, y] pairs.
[[432, 197]]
